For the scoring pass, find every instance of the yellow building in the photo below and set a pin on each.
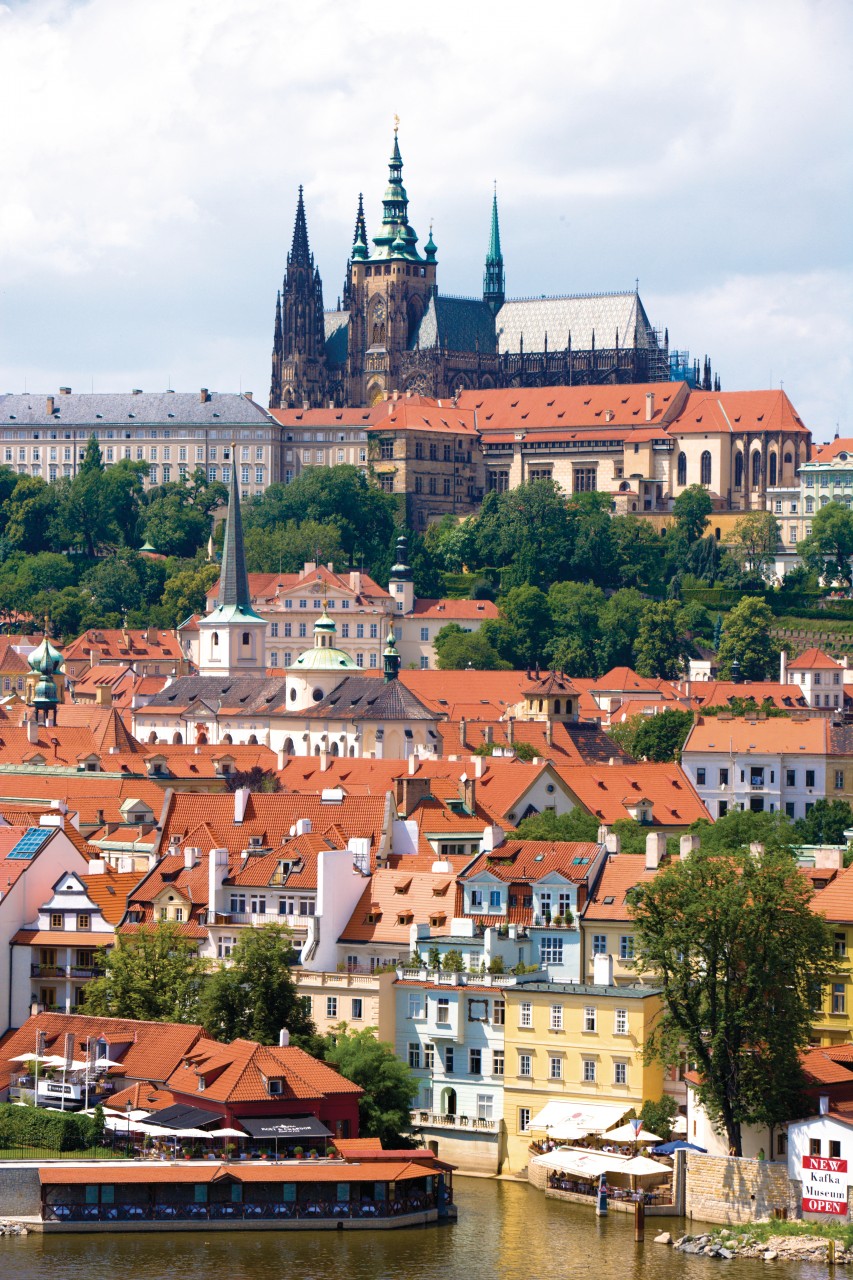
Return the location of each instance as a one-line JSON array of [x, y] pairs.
[[358, 999], [834, 1023], [576, 1044]]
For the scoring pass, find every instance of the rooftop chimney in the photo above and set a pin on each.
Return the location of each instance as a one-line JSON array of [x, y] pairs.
[[32, 729], [783, 667], [602, 971], [823, 1103], [49, 403], [655, 849], [283, 1038], [65, 391], [687, 845], [241, 799], [249, 395], [203, 396], [137, 391], [650, 405]]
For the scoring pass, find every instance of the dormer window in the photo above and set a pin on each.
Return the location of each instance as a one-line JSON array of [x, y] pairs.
[[200, 1084], [84, 921], [276, 1087]]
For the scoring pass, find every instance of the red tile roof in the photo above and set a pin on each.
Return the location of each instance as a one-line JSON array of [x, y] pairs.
[[455, 610], [534, 860], [835, 902], [828, 452], [720, 693], [582, 407], [446, 420], [620, 874], [709, 412], [394, 900], [780, 735], [99, 644], [608, 792], [239, 1071], [814, 660], [146, 1050]]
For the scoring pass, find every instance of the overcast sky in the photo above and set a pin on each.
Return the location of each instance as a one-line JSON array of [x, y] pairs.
[[152, 149]]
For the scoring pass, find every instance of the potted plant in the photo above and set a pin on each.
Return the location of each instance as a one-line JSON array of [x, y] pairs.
[[186, 1152], [557, 921], [313, 1153], [229, 1151], [299, 1152]]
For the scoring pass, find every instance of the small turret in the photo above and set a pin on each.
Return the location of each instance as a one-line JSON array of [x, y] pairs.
[[400, 583], [391, 657]]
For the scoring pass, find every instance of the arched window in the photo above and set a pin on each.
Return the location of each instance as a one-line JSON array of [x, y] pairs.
[[738, 470], [556, 706], [253, 740], [756, 469], [772, 469], [214, 640], [705, 468], [682, 468], [289, 749], [246, 638], [788, 459], [177, 739], [335, 750], [228, 739], [152, 737]]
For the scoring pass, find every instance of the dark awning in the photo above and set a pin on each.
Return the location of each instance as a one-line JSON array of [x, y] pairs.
[[180, 1116], [284, 1127]]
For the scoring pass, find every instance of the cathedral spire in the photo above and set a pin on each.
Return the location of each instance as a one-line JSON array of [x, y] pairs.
[[397, 238], [359, 241], [493, 277], [300, 253]]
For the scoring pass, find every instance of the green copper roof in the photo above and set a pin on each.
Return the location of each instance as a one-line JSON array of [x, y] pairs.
[[494, 254], [324, 660], [45, 659], [234, 601], [325, 623], [494, 287], [396, 238]]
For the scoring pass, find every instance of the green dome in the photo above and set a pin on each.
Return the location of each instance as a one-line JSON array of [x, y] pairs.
[[399, 247], [324, 660], [325, 623], [45, 659]]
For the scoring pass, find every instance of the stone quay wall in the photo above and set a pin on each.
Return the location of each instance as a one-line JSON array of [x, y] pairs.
[[734, 1190]]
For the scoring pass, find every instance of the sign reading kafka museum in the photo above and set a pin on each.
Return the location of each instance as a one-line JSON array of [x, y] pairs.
[[824, 1182]]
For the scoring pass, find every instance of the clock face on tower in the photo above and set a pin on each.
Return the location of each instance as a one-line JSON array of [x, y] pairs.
[[379, 311]]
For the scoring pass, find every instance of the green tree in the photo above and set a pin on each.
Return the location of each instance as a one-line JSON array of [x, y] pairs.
[[526, 532], [525, 625], [741, 828], [152, 975], [828, 550], [389, 1086], [185, 592], [453, 962], [691, 510], [737, 952], [619, 623], [659, 1117], [659, 738], [256, 779], [124, 582], [825, 823], [747, 640], [31, 516], [662, 643], [254, 996], [638, 552], [287, 548], [576, 825], [574, 619], [457, 649], [754, 540]]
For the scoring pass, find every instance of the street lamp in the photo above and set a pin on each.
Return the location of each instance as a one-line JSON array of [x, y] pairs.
[[128, 1107]]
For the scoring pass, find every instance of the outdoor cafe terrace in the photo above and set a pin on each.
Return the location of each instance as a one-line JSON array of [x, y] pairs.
[[390, 1190]]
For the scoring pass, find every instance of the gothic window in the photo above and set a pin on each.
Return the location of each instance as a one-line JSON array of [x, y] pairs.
[[738, 470], [682, 468], [705, 467], [756, 469], [772, 469], [215, 639]]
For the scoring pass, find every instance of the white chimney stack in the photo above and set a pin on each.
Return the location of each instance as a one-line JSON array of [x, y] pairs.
[[650, 405], [602, 971], [283, 1038], [824, 1104], [241, 800], [687, 845], [783, 667], [655, 849]]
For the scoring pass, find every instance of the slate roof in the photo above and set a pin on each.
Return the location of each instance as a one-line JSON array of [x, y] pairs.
[[337, 336], [578, 315], [119, 408], [359, 698], [243, 693], [456, 324]]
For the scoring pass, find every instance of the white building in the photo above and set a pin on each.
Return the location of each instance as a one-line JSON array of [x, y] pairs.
[[777, 765]]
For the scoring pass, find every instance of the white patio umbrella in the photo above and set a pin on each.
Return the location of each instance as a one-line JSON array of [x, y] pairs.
[[32, 1057], [105, 1062], [226, 1132], [626, 1133], [642, 1166]]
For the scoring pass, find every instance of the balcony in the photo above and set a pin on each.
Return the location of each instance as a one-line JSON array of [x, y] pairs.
[[259, 918], [437, 1120], [48, 971]]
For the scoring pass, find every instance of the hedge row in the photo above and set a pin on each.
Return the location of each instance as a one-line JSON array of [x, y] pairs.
[[56, 1130], [794, 604]]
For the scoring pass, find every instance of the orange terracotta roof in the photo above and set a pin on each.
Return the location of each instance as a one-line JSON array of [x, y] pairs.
[[453, 610], [620, 874], [143, 1096], [393, 1170], [829, 452], [709, 412], [146, 1050], [534, 860], [610, 791], [720, 693], [62, 938], [584, 407], [395, 899], [110, 890], [835, 902], [778, 736], [346, 417], [405, 416], [88, 794], [823, 1065], [239, 1071], [814, 660], [132, 645]]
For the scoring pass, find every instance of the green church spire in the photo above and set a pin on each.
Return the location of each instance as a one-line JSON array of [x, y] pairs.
[[493, 278], [396, 238], [234, 594]]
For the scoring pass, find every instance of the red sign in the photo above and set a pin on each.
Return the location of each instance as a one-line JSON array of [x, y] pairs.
[[838, 1207], [825, 1164]]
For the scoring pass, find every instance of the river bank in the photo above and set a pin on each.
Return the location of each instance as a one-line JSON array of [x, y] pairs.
[[761, 1243]]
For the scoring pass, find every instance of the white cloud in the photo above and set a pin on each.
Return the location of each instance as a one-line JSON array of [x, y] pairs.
[[156, 145]]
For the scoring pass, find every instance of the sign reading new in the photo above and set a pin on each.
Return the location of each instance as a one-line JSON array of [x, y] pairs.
[[824, 1182]]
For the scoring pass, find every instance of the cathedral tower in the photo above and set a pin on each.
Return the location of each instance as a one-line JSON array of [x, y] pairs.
[[494, 290], [299, 340], [389, 286]]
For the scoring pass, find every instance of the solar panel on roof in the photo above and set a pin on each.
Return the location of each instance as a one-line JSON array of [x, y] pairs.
[[30, 843]]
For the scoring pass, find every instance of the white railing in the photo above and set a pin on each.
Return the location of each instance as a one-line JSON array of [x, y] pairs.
[[262, 917], [437, 1120]]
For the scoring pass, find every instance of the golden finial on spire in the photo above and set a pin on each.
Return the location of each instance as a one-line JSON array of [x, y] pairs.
[[396, 124], [46, 626]]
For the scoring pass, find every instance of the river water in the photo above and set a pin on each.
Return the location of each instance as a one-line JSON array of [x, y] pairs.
[[506, 1231]]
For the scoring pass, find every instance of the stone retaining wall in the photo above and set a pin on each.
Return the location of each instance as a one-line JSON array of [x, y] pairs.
[[732, 1190], [20, 1191]]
